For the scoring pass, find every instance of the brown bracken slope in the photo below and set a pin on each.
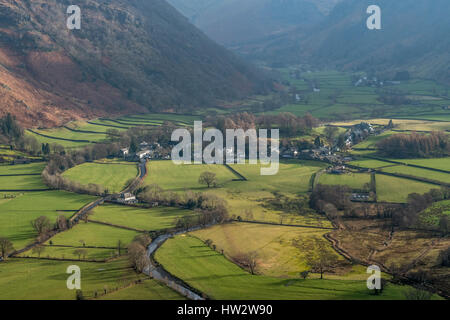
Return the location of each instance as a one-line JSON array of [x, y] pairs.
[[129, 57]]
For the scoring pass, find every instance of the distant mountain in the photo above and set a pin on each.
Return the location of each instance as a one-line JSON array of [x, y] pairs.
[[414, 37], [129, 56], [232, 22]]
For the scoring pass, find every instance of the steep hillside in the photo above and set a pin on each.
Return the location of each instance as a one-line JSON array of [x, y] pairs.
[[232, 22], [414, 37], [129, 56]]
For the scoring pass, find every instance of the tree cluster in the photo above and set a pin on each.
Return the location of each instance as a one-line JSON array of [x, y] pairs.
[[415, 145]]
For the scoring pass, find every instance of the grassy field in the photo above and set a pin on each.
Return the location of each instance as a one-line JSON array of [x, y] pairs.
[[140, 219], [421, 173], [147, 290], [22, 183], [32, 168], [184, 177], [392, 189], [93, 234], [113, 177], [213, 274], [340, 99], [372, 164], [353, 180], [16, 214], [69, 253], [276, 254], [64, 143], [436, 163], [33, 279]]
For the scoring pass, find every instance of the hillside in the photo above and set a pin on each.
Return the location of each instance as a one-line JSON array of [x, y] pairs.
[[232, 22], [414, 37], [128, 57]]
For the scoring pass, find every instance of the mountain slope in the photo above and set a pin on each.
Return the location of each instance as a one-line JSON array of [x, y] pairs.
[[414, 37], [129, 56], [231, 22]]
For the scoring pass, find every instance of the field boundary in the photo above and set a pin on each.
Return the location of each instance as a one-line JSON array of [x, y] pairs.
[[284, 225], [241, 177], [59, 138]]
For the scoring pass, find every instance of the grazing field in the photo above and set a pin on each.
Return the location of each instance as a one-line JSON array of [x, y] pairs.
[[211, 273], [421, 173], [66, 144], [436, 163], [62, 253], [371, 142], [34, 279], [403, 124], [276, 254], [95, 235], [32, 168], [113, 177], [22, 183], [170, 176], [65, 133], [371, 164], [392, 189], [16, 214], [139, 218], [147, 290], [356, 181]]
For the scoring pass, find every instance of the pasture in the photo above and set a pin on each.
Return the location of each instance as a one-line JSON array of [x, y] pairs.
[[211, 273], [146, 290], [172, 177], [421, 173], [16, 214], [158, 218], [277, 255], [34, 279], [393, 189], [112, 176], [94, 235], [356, 181]]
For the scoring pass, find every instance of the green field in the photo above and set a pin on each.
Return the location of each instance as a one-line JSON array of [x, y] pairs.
[[141, 219], [22, 183], [392, 189], [211, 273], [93, 234], [421, 173], [33, 279], [170, 176], [64, 143], [147, 290], [436, 163], [113, 177], [356, 181], [16, 214], [62, 253], [32, 168], [273, 244], [371, 164]]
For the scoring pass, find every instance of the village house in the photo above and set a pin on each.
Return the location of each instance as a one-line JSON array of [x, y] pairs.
[[127, 198]]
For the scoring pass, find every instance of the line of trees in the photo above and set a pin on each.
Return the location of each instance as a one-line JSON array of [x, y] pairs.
[[289, 124]]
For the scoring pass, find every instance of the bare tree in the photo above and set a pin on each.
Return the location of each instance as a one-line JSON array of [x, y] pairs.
[[137, 256], [61, 223], [42, 225], [417, 294], [80, 253], [208, 178], [6, 247], [38, 250], [319, 256], [248, 261]]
